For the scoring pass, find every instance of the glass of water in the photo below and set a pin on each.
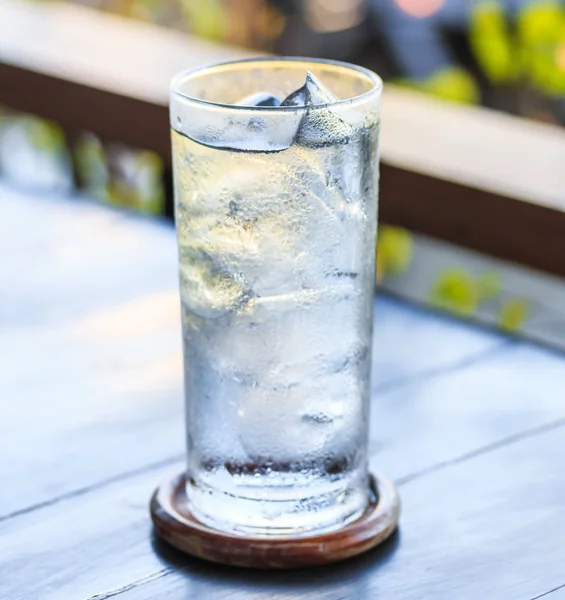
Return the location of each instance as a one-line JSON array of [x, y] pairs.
[[276, 174]]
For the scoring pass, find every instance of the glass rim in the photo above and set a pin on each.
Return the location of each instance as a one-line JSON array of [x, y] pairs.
[[187, 74]]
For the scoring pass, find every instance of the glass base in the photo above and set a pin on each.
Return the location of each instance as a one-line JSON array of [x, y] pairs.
[[278, 504], [180, 528]]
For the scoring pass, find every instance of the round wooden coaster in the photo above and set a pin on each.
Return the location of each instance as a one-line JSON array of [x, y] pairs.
[[176, 525]]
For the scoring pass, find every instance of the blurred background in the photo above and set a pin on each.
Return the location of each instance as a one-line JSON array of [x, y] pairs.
[[506, 55]]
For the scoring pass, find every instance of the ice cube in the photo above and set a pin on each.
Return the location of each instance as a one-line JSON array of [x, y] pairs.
[[232, 260], [310, 94], [320, 126], [307, 327], [293, 423], [351, 172], [260, 99], [245, 130], [302, 400], [212, 396], [272, 131], [206, 289], [283, 375]]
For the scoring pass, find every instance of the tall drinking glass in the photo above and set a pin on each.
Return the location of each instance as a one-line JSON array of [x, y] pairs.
[[276, 214]]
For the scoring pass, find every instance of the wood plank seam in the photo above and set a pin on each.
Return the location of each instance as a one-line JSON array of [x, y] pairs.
[[469, 361], [509, 441], [555, 589], [528, 434], [95, 486], [131, 586]]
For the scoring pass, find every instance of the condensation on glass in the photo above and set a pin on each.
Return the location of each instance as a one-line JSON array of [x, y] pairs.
[[276, 213]]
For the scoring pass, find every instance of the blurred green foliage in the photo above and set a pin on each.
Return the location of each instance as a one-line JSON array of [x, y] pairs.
[[447, 83], [113, 174], [491, 41], [534, 53], [456, 291], [394, 250]]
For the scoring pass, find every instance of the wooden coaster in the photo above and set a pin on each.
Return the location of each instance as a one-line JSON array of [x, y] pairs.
[[175, 524]]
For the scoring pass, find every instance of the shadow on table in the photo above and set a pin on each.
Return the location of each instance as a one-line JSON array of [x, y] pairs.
[[341, 578]]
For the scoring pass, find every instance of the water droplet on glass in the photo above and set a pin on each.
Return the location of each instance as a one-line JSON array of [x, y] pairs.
[[257, 124]]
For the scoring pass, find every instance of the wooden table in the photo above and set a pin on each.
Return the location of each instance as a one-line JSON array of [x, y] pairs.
[[470, 424]]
